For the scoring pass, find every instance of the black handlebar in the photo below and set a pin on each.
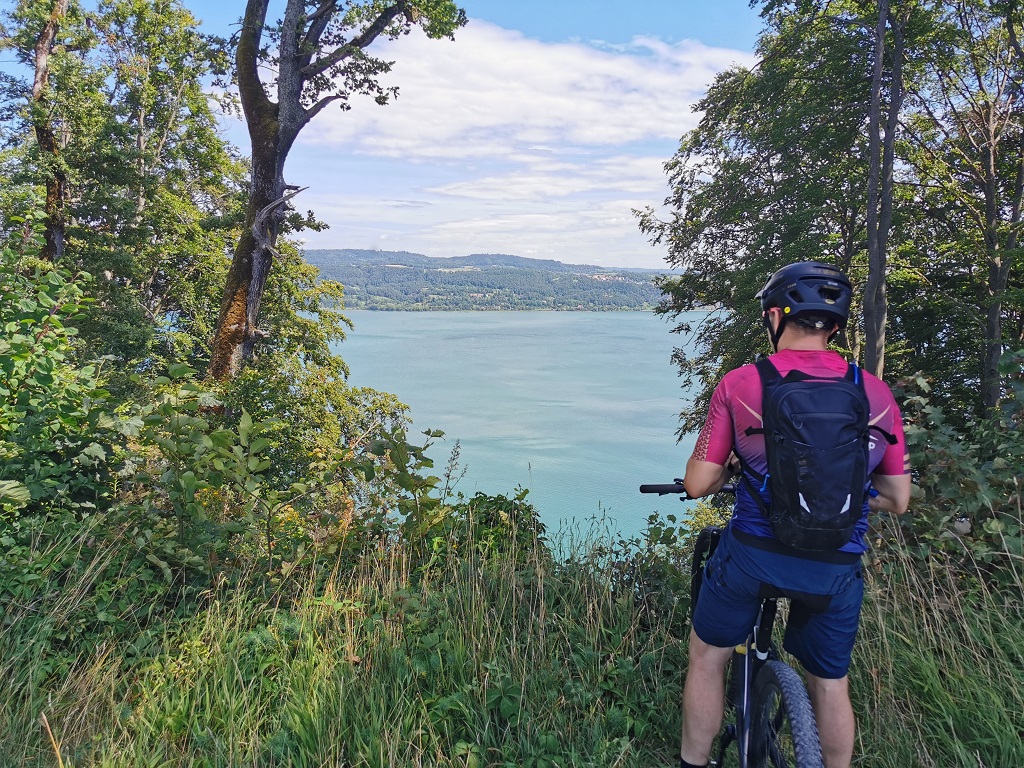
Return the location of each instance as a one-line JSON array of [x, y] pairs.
[[676, 486]]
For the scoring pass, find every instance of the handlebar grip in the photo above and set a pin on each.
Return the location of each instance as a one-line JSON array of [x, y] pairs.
[[664, 488]]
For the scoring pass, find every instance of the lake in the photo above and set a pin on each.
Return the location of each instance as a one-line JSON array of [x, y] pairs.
[[579, 407]]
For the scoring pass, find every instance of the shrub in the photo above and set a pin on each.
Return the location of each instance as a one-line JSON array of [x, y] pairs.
[[58, 436], [969, 482]]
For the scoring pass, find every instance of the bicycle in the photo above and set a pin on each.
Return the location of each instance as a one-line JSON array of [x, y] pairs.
[[768, 712]]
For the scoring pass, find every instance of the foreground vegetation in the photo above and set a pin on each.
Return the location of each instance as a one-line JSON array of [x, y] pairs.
[[195, 574], [182, 583], [480, 649]]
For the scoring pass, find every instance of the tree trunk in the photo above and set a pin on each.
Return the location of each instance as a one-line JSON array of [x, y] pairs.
[[1000, 260], [237, 329], [273, 128], [991, 382], [875, 308], [237, 325], [56, 179]]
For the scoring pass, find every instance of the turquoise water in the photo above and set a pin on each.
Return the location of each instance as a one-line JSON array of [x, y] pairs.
[[579, 407]]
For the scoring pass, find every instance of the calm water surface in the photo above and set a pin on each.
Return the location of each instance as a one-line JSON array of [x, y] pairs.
[[579, 407]]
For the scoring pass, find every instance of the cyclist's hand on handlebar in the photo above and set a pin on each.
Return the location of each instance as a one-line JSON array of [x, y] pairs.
[[733, 464]]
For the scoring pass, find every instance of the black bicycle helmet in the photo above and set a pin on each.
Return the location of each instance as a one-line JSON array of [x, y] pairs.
[[807, 286]]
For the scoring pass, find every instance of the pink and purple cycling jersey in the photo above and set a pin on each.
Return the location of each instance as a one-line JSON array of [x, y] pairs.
[[736, 405]]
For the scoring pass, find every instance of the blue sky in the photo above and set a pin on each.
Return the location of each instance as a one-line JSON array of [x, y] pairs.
[[535, 132]]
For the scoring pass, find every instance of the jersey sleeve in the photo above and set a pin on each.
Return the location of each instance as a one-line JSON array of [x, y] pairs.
[[714, 443], [896, 458]]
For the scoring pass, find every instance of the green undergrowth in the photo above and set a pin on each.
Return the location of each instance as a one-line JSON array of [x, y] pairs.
[[479, 658], [938, 675], [472, 655], [201, 578]]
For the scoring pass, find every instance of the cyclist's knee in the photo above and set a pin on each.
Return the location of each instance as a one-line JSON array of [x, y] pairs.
[[826, 686], [830, 698], [705, 656]]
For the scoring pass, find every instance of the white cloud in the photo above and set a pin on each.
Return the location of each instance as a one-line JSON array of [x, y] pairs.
[[494, 90], [500, 143], [602, 234], [543, 180]]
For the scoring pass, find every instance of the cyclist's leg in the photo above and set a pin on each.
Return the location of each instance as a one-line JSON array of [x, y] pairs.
[[833, 712], [703, 699], [724, 614], [823, 642]]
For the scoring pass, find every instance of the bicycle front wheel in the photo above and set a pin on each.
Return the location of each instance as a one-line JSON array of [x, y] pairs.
[[783, 733]]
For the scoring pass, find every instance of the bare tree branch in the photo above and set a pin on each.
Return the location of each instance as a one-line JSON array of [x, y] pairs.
[[357, 43], [259, 226]]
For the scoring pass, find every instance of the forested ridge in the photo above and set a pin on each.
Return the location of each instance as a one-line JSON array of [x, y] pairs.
[[215, 551], [398, 280]]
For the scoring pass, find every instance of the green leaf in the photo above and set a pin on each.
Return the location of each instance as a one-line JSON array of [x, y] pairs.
[[163, 566], [14, 493], [256, 465], [259, 444], [244, 428], [180, 371], [93, 454]]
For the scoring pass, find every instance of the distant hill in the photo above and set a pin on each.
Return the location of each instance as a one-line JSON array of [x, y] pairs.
[[481, 281]]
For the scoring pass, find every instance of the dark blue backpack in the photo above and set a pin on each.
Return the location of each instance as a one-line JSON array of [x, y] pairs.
[[816, 439]]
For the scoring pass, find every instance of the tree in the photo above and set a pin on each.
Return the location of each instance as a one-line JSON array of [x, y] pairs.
[[320, 58], [774, 173], [48, 37], [165, 194], [798, 158], [966, 148], [142, 192], [881, 159]]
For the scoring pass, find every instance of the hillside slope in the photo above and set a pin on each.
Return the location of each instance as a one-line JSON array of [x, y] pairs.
[[410, 281]]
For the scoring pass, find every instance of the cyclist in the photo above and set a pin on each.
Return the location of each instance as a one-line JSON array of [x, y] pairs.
[[804, 305]]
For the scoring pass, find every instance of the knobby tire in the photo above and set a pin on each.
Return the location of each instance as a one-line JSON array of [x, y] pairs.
[[784, 734]]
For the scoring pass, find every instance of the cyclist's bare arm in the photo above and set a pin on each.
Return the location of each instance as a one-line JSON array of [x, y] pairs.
[[705, 477], [893, 493]]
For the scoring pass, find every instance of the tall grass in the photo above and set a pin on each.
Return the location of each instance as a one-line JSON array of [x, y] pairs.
[[39, 682], [480, 658], [938, 676]]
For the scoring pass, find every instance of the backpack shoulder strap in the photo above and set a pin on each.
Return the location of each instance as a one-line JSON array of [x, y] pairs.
[[767, 371], [769, 374], [854, 374]]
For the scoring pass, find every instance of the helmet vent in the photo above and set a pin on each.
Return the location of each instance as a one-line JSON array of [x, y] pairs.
[[829, 294]]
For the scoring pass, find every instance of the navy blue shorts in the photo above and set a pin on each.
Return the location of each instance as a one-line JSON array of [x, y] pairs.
[[824, 609]]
